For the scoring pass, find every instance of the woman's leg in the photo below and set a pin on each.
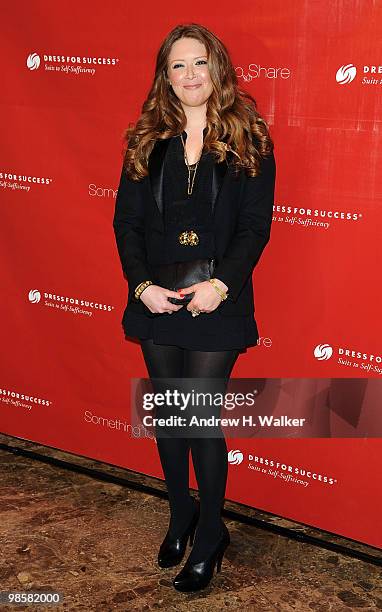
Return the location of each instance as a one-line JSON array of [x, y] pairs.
[[164, 361], [209, 454]]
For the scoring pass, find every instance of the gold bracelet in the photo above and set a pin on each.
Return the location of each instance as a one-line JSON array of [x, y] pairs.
[[220, 292], [137, 287], [141, 288]]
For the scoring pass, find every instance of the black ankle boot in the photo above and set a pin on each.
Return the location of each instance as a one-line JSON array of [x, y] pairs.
[[172, 550], [196, 576]]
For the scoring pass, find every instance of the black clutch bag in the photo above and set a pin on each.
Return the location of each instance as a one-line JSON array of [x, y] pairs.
[[183, 274]]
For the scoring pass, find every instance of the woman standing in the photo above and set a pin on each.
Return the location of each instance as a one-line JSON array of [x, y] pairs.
[[196, 193]]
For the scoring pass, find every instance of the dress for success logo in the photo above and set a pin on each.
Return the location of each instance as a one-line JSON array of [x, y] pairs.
[[348, 72]]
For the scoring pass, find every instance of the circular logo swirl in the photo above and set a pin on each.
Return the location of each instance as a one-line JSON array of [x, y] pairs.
[[346, 74], [235, 457], [33, 61], [34, 296], [323, 351]]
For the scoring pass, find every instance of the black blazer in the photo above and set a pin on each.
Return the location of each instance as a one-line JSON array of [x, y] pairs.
[[242, 217]]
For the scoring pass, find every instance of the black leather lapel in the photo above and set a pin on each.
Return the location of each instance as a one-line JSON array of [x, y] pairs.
[[156, 168], [156, 172], [219, 171]]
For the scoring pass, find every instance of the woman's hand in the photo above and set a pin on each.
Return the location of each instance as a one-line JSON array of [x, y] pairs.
[[206, 298], [155, 298]]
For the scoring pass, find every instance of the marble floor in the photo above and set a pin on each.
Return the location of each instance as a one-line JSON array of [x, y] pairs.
[[96, 543]]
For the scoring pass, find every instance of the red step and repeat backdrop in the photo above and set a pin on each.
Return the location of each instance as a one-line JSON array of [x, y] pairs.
[[74, 76]]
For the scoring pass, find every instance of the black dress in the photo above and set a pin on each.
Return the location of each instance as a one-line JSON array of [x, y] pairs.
[[207, 331]]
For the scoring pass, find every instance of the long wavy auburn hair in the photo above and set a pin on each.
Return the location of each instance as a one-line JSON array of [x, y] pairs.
[[233, 121]]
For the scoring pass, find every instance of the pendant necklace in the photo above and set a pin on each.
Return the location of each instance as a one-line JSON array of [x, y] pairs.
[[190, 184]]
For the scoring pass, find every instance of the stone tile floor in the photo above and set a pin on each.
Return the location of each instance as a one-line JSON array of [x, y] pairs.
[[96, 542]]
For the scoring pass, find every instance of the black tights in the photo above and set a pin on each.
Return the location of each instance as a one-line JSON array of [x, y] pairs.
[[209, 455]]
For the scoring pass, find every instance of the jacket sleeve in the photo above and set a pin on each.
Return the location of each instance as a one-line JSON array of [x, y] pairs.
[[252, 231], [128, 224]]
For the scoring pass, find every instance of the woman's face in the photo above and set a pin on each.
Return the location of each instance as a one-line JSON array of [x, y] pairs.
[[188, 72]]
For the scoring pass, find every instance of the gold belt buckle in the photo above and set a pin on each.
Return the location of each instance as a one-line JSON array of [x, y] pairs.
[[189, 238]]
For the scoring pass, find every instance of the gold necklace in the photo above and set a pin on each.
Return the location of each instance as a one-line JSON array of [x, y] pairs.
[[190, 184]]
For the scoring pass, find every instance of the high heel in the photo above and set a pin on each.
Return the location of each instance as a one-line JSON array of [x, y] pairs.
[[196, 576], [171, 551]]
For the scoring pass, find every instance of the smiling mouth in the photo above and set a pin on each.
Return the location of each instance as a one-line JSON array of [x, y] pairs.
[[192, 86]]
